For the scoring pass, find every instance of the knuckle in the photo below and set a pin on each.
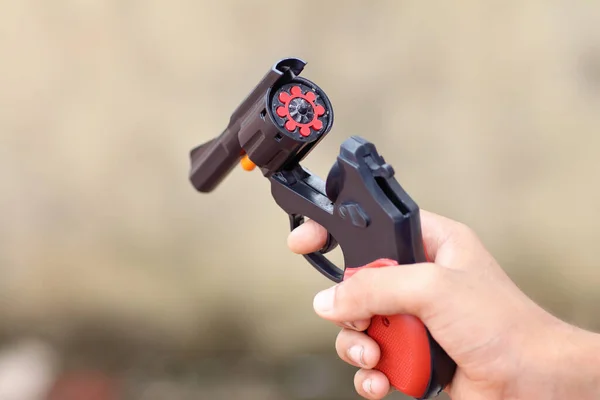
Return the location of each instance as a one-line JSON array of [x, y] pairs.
[[463, 228], [464, 233], [366, 289], [344, 298], [358, 292], [363, 278]]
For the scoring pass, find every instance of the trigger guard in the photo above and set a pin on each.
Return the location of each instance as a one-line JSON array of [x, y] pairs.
[[317, 259]]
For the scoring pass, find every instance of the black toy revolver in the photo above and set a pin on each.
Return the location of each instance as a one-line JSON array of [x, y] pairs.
[[361, 205]]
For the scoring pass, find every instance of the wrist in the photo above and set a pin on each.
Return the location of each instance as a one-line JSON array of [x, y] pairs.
[[568, 363], [579, 364], [558, 361]]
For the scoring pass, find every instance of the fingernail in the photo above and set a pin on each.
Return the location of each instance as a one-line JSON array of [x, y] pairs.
[[323, 301], [367, 385], [355, 353], [349, 325], [355, 325]]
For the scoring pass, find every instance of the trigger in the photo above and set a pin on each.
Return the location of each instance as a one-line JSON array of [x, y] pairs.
[[329, 245]]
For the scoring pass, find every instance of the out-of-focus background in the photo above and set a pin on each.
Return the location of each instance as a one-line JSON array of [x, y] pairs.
[[119, 281]]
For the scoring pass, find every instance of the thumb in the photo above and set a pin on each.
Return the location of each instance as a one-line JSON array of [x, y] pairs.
[[416, 289]]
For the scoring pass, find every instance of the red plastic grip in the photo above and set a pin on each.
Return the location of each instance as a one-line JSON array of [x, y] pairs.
[[405, 350]]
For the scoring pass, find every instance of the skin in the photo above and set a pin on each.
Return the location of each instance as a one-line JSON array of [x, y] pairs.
[[505, 345]]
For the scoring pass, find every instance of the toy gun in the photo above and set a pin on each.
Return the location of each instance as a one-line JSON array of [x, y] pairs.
[[361, 205]]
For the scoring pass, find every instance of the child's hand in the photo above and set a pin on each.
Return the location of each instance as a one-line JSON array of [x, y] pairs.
[[505, 345]]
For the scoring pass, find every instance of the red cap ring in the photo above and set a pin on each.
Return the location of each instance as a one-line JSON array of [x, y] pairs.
[[298, 108]]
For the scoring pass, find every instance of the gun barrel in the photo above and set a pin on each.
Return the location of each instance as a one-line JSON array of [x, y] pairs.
[[214, 160]]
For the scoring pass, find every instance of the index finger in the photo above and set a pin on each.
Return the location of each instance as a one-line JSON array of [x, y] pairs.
[[445, 240], [310, 236], [307, 238]]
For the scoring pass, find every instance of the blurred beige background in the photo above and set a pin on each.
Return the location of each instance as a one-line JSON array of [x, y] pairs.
[[110, 262]]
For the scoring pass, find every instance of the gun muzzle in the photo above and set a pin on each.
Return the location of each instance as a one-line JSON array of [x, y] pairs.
[[276, 126]]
